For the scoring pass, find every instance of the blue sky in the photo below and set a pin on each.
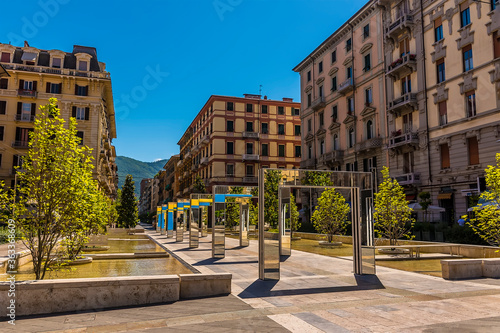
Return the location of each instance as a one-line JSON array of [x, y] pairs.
[[167, 57]]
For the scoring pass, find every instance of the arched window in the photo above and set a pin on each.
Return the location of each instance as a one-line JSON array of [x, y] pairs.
[[369, 129], [335, 142], [351, 137]]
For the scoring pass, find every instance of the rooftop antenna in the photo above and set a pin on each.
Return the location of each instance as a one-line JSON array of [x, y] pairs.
[[260, 89]]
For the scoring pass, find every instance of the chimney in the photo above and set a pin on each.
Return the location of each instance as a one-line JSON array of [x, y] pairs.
[[265, 96], [286, 99]]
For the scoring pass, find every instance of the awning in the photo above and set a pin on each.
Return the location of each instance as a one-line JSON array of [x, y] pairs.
[[444, 196], [28, 56], [3, 72]]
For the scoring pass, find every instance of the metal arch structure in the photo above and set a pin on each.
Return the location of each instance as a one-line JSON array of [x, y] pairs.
[[357, 187], [198, 217]]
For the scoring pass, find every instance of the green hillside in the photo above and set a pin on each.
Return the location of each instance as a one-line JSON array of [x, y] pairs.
[[137, 169]]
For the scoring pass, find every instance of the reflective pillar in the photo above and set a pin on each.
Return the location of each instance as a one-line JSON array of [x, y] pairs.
[[204, 221], [194, 232], [219, 227], [163, 227], [158, 218], [244, 224], [172, 206], [179, 225], [284, 222]]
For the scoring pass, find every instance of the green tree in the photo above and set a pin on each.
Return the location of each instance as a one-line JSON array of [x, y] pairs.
[[233, 208], [294, 215], [5, 203], [330, 215], [486, 222], [127, 208], [54, 184], [313, 178], [254, 208], [199, 185], [271, 186], [425, 202], [392, 215]]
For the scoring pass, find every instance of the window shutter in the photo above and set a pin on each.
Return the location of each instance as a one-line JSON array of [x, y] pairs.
[[47, 87], [60, 88], [34, 85], [442, 109], [445, 156], [33, 109], [87, 113], [355, 166], [365, 165], [473, 151], [15, 161], [86, 90], [19, 107], [374, 162], [76, 89], [73, 112], [21, 84], [464, 5]]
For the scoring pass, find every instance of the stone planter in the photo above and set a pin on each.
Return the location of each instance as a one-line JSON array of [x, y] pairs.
[[393, 251], [328, 244], [78, 261]]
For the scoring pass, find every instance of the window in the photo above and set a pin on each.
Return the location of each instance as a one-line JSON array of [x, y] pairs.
[[368, 96], [249, 170], [281, 129], [464, 14], [473, 150], [5, 57], [408, 159], [265, 128], [349, 72], [496, 45], [308, 76], [335, 142], [404, 47], [4, 83], [350, 105], [440, 70], [298, 151], [493, 4], [230, 170], [334, 113], [80, 113], [53, 88], [249, 126], [368, 63], [28, 85], [351, 138], [443, 113], [281, 150], [470, 100], [3, 107], [309, 100], [348, 45], [81, 90], [82, 66], [406, 85], [309, 151], [467, 58], [438, 29], [334, 83], [1, 133], [309, 123], [263, 109], [230, 106], [249, 107], [334, 56], [56, 62], [320, 92], [320, 66], [79, 134], [27, 111], [265, 149], [322, 147], [297, 130], [281, 110], [366, 31], [369, 129], [229, 148], [445, 156], [321, 119], [295, 112], [249, 148]]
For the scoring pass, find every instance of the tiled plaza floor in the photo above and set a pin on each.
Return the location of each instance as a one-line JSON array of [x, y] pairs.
[[315, 294]]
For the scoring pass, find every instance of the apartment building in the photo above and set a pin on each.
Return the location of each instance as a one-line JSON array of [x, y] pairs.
[[83, 87], [343, 97], [231, 138], [145, 196], [171, 183]]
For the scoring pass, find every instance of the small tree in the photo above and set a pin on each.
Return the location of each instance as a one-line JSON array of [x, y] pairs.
[[271, 186], [294, 216], [233, 208], [487, 215], [314, 178], [199, 185], [425, 202], [127, 208], [330, 216], [392, 215]]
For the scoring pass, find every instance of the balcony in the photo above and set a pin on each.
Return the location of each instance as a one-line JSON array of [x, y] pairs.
[[307, 164], [250, 157], [58, 71], [409, 138], [20, 144], [250, 135], [195, 148], [409, 179], [346, 87], [194, 167], [185, 174], [204, 141], [403, 22], [318, 103], [186, 155], [406, 101], [25, 118], [26, 93], [331, 158], [366, 145], [204, 161], [179, 163], [403, 66], [250, 179]]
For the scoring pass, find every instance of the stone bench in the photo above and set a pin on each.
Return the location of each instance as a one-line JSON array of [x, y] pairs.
[[204, 285], [470, 268]]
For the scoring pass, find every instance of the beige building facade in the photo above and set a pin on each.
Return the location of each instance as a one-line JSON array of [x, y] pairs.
[[83, 88]]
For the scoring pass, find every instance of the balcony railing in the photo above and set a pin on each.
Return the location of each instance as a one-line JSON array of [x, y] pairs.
[[346, 86], [250, 157], [408, 100], [403, 139], [369, 144], [205, 140], [250, 135], [331, 158], [204, 161], [20, 144], [399, 24], [406, 63], [59, 71], [25, 117], [409, 179], [26, 92], [318, 103], [250, 179]]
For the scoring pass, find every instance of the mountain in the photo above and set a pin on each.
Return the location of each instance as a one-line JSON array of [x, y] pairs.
[[137, 169]]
